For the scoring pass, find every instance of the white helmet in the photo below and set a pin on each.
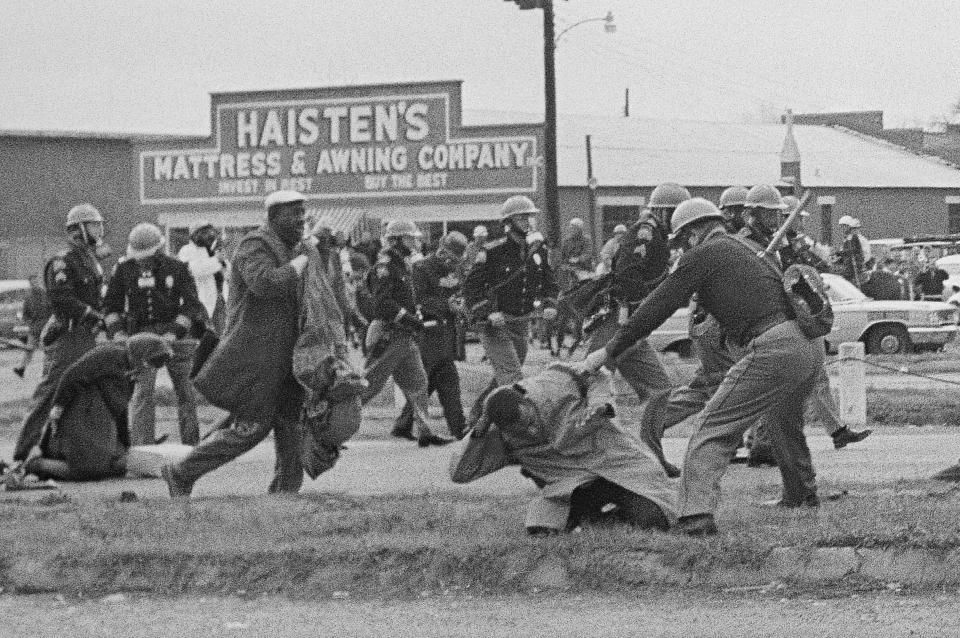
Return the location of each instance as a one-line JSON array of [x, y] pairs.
[[480, 231], [576, 222], [847, 220], [619, 228], [402, 228]]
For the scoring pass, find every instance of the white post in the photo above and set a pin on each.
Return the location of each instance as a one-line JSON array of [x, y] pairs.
[[853, 385]]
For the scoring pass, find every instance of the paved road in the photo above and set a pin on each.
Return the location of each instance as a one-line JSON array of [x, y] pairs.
[[653, 613], [388, 467]]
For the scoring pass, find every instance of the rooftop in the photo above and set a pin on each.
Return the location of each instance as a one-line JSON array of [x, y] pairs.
[[644, 152]]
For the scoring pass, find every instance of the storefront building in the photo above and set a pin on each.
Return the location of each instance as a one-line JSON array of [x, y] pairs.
[[361, 155]]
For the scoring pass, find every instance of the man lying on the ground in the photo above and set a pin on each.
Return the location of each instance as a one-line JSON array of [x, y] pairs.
[[559, 426], [86, 436]]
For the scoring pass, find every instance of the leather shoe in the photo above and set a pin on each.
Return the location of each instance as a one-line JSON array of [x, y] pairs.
[[403, 433], [812, 500], [951, 474], [176, 488], [697, 525], [845, 436], [428, 439]]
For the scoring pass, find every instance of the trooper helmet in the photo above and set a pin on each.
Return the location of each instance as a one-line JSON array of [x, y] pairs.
[[847, 220], [619, 228], [402, 228], [691, 211], [518, 205], [764, 196], [83, 213], [734, 196], [454, 243], [145, 240], [668, 195], [480, 232]]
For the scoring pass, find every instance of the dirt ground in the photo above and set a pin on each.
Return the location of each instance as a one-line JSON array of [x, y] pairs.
[[655, 613]]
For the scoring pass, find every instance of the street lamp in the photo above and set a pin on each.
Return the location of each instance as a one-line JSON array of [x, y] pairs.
[[609, 27], [552, 212]]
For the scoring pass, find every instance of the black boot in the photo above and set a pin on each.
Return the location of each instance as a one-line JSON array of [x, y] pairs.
[[844, 436]]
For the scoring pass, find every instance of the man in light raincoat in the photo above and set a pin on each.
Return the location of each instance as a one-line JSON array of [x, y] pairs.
[[559, 426]]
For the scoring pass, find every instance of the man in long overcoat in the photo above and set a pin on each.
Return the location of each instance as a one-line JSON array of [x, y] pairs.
[[564, 435], [250, 374]]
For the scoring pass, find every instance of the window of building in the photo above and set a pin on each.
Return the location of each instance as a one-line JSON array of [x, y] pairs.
[[953, 218]]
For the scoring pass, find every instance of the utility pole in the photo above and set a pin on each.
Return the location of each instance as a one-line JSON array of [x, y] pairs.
[[626, 102], [550, 197], [592, 197]]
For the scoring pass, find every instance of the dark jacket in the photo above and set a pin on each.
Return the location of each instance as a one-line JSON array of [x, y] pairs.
[[640, 262], [74, 280], [36, 310], [731, 283], [511, 277], [156, 295], [391, 286], [437, 343], [250, 372], [92, 433]]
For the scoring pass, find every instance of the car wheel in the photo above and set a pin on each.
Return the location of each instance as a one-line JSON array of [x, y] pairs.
[[888, 340]]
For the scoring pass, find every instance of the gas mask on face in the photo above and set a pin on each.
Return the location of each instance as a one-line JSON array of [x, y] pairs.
[[764, 221]]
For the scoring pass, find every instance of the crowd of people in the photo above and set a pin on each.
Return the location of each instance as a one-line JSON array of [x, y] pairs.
[[265, 335]]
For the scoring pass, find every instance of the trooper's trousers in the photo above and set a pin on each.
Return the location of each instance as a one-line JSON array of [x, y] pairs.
[[399, 358], [58, 356], [773, 379], [143, 410], [639, 364], [442, 377], [506, 348]]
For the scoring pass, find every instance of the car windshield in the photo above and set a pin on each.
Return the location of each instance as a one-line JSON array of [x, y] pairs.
[[842, 291]]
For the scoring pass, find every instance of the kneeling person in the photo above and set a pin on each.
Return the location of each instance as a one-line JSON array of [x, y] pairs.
[[560, 428], [87, 435]]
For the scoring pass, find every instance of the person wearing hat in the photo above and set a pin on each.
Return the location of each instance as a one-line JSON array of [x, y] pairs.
[[560, 427], [776, 363], [204, 257], [854, 254], [86, 435], [250, 374], [436, 287], [73, 279], [510, 279], [610, 248], [149, 291], [391, 337]]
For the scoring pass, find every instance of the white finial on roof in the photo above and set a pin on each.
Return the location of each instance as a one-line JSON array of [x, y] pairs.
[[790, 153]]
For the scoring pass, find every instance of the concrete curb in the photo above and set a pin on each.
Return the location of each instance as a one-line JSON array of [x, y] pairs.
[[398, 574]]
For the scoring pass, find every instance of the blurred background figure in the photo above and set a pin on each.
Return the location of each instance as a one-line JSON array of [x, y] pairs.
[[854, 255], [884, 283], [480, 236], [204, 257], [928, 283], [610, 248], [36, 311]]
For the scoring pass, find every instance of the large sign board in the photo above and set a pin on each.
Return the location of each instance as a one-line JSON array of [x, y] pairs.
[[406, 142]]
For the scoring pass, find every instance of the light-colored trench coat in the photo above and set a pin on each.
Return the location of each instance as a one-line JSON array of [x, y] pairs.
[[576, 445]]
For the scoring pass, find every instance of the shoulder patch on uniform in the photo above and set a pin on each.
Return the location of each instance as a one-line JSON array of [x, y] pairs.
[[496, 242]]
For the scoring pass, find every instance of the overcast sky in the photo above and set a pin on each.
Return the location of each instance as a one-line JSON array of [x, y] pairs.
[[148, 66]]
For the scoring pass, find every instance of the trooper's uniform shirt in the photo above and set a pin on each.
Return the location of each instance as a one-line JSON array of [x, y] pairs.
[[391, 286], [511, 277], [641, 261], [158, 296], [74, 283]]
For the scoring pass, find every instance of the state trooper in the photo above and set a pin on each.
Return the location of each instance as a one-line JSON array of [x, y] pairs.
[[74, 282], [798, 247], [391, 349], [436, 285], [732, 206], [765, 208], [639, 264], [150, 291], [773, 376], [510, 279]]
